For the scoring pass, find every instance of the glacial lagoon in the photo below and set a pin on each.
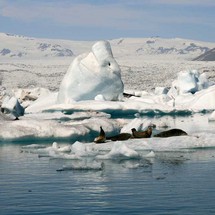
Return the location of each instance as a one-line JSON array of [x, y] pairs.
[[171, 182]]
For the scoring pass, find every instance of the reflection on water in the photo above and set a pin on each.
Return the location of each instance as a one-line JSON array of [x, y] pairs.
[[171, 183]]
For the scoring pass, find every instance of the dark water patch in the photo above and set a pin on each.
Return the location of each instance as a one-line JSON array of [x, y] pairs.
[[160, 113], [204, 148], [117, 113]]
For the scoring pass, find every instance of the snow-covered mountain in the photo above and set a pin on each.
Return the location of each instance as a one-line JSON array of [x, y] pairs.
[[14, 46], [175, 48], [207, 56]]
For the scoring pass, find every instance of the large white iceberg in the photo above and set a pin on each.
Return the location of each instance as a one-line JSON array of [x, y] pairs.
[[92, 76]]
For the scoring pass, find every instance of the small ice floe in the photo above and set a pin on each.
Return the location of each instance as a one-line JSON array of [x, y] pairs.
[[77, 151], [131, 165], [54, 151], [60, 155], [46, 151], [93, 166], [34, 146], [62, 152], [120, 151], [150, 155], [83, 150], [61, 148], [135, 164]]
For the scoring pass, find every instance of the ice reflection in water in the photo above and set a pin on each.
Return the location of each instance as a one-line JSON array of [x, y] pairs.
[[170, 183]]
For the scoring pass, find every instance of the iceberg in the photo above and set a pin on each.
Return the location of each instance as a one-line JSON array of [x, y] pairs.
[[188, 81], [11, 105], [92, 76]]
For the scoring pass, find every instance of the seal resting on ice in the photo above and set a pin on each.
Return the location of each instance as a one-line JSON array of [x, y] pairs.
[[120, 137], [102, 137], [171, 133], [142, 134]]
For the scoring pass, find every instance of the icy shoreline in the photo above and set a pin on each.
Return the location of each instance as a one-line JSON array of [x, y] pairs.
[[130, 149], [84, 126]]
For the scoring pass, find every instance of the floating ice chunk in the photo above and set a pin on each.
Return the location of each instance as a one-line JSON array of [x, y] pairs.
[[55, 145], [150, 155], [12, 105], [188, 82], [47, 151], [61, 148], [81, 149], [119, 150], [89, 75], [131, 165], [34, 146], [61, 155], [92, 166]]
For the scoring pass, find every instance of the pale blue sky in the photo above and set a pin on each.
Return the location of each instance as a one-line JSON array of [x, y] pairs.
[[109, 19]]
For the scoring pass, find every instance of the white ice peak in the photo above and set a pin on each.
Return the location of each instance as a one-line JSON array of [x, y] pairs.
[[92, 75]]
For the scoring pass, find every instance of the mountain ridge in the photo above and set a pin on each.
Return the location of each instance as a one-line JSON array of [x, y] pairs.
[[16, 46], [207, 56]]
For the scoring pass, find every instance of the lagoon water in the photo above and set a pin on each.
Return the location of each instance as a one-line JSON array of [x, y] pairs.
[[171, 183], [174, 182]]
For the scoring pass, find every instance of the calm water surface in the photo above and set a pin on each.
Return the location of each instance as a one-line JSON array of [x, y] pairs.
[[171, 183]]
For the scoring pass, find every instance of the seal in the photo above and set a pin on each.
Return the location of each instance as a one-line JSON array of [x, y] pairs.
[[120, 137], [101, 138], [171, 133], [142, 134]]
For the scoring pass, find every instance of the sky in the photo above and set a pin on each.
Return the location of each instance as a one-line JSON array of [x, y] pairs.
[[109, 19]]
